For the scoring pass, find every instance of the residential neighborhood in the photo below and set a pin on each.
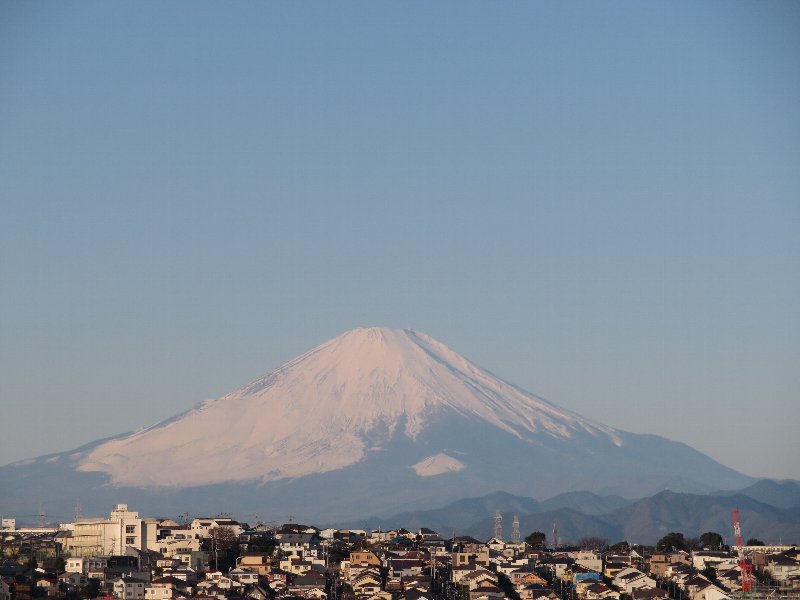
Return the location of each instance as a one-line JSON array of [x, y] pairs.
[[128, 557]]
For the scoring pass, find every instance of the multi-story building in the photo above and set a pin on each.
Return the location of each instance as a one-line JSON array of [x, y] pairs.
[[124, 528]]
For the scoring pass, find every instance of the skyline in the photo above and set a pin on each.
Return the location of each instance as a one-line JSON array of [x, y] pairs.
[[597, 203]]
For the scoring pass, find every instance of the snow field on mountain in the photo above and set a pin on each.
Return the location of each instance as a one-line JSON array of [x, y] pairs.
[[326, 410]]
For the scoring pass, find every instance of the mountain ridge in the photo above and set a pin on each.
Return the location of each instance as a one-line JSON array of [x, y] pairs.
[[374, 421], [640, 521]]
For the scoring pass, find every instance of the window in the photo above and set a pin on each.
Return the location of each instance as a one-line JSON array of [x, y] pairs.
[[130, 528], [130, 541]]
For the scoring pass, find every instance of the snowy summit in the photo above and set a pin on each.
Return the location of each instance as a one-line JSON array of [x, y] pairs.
[[328, 409]]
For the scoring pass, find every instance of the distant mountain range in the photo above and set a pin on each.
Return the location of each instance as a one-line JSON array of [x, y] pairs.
[[374, 421], [584, 514], [783, 494]]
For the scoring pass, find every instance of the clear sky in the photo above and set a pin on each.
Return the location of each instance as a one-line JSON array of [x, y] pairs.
[[597, 201]]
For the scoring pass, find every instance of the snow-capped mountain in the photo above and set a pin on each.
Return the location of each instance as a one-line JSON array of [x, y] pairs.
[[327, 409], [371, 421]]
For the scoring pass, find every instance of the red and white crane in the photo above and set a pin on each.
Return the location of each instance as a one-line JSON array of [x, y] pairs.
[[746, 567]]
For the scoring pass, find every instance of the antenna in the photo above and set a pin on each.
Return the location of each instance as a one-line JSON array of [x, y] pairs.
[[498, 525], [746, 567], [515, 534]]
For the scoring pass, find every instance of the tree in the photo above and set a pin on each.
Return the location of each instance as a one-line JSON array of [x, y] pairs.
[[223, 544], [672, 541], [593, 543], [754, 542], [222, 538], [622, 546], [91, 589], [712, 540], [536, 540]]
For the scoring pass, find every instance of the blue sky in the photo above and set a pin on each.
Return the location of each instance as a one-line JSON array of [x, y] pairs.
[[595, 201]]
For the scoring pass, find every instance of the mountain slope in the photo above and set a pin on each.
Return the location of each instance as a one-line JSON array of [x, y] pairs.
[[585, 503], [374, 421], [651, 518], [783, 494], [325, 410], [455, 515]]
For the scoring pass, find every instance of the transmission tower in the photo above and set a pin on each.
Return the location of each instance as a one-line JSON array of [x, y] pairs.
[[78, 510], [746, 567], [41, 517], [555, 536], [515, 535], [498, 525]]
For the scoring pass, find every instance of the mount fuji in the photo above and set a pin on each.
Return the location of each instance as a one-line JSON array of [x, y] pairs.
[[372, 422]]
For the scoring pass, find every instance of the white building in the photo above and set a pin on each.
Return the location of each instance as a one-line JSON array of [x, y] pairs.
[[124, 528]]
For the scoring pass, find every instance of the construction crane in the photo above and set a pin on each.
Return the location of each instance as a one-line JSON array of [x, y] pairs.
[[746, 567]]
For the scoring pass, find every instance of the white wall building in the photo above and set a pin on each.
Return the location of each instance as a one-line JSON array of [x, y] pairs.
[[124, 528]]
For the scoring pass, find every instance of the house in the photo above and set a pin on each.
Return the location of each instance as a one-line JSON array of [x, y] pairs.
[[258, 562], [300, 545], [630, 578], [599, 591], [459, 573], [72, 580], [49, 584], [533, 592], [495, 544], [297, 566], [257, 592], [245, 576], [129, 588], [202, 526], [367, 583], [365, 558], [75, 565], [316, 594], [557, 564], [694, 584], [782, 567], [649, 594], [222, 581], [730, 578], [486, 591], [405, 567], [164, 588], [526, 577], [471, 553], [710, 592], [660, 562], [307, 581], [212, 593], [417, 593], [708, 558], [478, 577], [589, 559], [187, 575]]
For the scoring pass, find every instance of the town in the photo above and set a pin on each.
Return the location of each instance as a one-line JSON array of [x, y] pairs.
[[126, 557]]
